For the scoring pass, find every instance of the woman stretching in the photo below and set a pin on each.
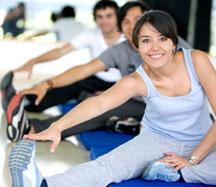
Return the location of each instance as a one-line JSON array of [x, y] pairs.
[[178, 139]]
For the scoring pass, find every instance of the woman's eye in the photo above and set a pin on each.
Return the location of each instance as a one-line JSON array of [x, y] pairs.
[[145, 41], [163, 39]]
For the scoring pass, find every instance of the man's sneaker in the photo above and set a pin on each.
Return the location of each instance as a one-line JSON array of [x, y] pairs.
[[23, 169], [18, 123], [7, 90], [159, 171], [123, 125]]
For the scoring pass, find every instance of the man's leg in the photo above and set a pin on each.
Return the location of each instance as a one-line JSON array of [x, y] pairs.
[[17, 121], [7, 89], [61, 95], [131, 108], [16, 113]]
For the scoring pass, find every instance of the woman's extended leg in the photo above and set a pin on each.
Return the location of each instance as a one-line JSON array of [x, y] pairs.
[[127, 161]]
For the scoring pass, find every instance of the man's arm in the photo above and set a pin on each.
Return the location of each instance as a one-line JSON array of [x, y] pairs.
[[78, 73], [70, 76], [37, 33], [45, 57]]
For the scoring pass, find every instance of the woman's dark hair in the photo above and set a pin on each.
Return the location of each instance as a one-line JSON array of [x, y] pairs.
[[103, 4], [68, 11], [126, 7], [162, 21]]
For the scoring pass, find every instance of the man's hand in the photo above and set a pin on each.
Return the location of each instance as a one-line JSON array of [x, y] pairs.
[[39, 90]]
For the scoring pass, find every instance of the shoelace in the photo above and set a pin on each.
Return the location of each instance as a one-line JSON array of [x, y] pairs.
[[167, 176]]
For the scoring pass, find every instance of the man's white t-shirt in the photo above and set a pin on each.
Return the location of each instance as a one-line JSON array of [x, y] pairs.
[[93, 40], [67, 28]]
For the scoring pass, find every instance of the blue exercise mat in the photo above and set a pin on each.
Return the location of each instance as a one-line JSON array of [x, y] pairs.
[[141, 183], [98, 138], [66, 107], [101, 142], [98, 150]]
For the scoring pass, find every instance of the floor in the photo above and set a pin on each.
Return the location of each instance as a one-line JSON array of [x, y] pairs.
[[69, 152]]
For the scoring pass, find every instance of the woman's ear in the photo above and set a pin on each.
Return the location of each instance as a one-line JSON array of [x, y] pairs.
[[174, 50]]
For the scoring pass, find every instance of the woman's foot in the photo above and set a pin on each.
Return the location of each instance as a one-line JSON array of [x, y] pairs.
[[159, 171], [23, 169]]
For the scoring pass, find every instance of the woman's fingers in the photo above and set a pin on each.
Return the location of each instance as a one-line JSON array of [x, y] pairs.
[[174, 161], [52, 134], [38, 136], [170, 154]]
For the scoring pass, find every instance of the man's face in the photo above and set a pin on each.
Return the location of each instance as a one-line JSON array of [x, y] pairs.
[[106, 19], [129, 22]]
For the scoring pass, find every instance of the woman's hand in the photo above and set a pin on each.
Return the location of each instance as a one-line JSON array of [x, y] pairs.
[[53, 134], [175, 161], [39, 90]]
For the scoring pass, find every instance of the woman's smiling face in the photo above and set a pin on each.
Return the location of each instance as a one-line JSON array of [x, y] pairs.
[[155, 49]]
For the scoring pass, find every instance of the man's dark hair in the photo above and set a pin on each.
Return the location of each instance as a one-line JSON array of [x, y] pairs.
[[21, 5], [68, 11], [127, 6], [103, 4], [163, 23], [54, 16]]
